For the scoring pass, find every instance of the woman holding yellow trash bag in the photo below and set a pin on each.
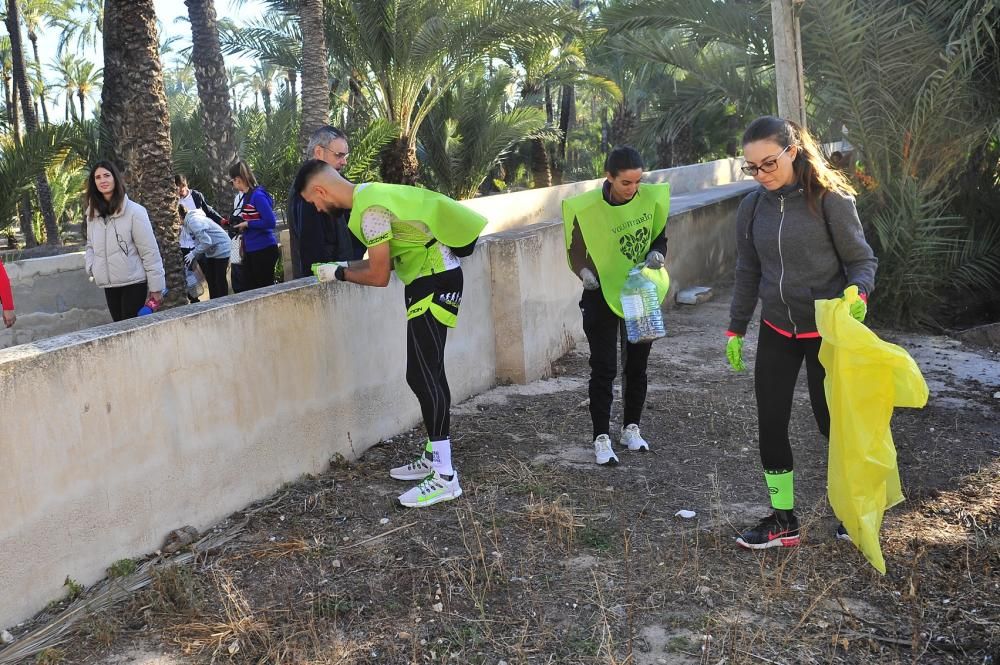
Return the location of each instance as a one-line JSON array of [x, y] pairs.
[[799, 240]]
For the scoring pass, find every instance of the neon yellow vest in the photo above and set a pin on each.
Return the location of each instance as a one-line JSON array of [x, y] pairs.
[[449, 222], [619, 237]]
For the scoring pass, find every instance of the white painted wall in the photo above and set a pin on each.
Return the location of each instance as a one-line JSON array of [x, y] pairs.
[[115, 435]]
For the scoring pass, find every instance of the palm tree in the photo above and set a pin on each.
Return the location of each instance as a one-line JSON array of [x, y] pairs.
[[469, 132], [30, 121], [910, 91], [405, 55], [718, 54], [315, 80], [87, 77], [263, 84], [240, 81], [546, 65], [213, 93], [81, 25], [33, 13], [134, 114]]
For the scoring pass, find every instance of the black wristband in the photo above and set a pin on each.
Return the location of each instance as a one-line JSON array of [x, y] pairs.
[[339, 274]]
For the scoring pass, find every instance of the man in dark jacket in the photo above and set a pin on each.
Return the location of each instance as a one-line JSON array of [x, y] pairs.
[[319, 237]]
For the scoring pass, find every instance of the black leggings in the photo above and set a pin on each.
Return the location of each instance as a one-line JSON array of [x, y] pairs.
[[215, 275], [776, 370], [124, 302], [425, 340], [258, 267], [605, 332]]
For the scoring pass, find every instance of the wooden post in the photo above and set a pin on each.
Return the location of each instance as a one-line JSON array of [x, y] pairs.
[[788, 61]]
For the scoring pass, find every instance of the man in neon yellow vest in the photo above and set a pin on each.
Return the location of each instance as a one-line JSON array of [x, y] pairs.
[[421, 235], [608, 232]]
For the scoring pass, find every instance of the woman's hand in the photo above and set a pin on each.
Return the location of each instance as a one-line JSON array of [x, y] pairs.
[[242, 226], [9, 317], [156, 297]]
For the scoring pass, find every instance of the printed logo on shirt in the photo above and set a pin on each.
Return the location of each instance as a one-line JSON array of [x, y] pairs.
[[633, 245]]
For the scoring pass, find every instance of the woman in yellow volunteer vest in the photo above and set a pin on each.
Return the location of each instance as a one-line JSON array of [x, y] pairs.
[[608, 232], [421, 235]]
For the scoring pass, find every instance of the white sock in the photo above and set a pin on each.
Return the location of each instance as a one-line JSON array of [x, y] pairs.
[[441, 457]]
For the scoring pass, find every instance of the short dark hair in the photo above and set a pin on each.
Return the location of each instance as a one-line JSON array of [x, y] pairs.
[[96, 203], [180, 180], [307, 172], [621, 159]]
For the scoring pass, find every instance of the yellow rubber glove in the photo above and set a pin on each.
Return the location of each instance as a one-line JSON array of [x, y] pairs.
[[856, 306], [734, 352]]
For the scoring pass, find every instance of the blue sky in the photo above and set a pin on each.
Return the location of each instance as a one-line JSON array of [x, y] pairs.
[[167, 11]]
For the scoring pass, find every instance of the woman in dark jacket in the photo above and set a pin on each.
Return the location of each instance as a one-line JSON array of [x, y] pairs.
[[799, 240], [256, 221]]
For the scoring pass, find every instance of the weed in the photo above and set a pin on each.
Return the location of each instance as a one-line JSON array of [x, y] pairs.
[[595, 538], [122, 568], [50, 656], [75, 588]]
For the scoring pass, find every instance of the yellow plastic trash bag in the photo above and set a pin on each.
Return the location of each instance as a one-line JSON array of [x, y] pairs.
[[865, 379], [660, 278]]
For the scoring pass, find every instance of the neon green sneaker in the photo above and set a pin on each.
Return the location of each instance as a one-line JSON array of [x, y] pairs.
[[432, 489]]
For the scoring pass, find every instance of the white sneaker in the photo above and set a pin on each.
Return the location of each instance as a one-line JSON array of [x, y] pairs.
[[603, 451], [631, 438], [418, 469], [432, 489]]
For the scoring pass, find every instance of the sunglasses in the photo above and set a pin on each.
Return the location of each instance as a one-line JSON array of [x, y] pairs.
[[767, 166]]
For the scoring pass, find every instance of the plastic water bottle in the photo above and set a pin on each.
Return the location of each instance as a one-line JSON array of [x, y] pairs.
[[641, 307], [150, 306]]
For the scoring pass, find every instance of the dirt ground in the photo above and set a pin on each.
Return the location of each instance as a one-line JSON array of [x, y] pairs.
[[549, 559]]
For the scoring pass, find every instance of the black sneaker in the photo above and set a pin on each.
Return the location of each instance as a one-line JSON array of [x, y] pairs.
[[842, 533], [779, 529]]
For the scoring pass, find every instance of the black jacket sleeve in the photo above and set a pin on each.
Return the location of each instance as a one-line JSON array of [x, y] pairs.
[[748, 271], [210, 212]]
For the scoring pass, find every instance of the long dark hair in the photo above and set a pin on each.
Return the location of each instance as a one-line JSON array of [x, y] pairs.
[[811, 168], [241, 169], [97, 205]]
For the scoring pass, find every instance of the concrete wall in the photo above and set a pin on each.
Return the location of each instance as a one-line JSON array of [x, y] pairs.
[[507, 211], [52, 296], [117, 434]]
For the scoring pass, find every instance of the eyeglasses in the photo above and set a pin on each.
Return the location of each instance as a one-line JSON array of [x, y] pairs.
[[767, 166], [338, 155]]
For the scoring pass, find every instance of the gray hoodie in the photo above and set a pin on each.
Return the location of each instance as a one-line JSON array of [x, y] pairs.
[[790, 256]]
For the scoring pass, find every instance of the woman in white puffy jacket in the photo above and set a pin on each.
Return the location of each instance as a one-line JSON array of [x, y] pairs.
[[122, 255]]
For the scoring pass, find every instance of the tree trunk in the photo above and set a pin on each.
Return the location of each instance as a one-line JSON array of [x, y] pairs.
[[315, 85], [30, 121], [38, 61], [623, 123], [399, 162], [541, 174], [213, 92], [292, 77], [7, 99], [24, 212], [82, 98], [135, 117], [567, 113]]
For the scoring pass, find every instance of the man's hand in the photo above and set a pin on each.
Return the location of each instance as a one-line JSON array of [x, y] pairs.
[[242, 226], [734, 352], [856, 304], [654, 260], [589, 280], [327, 272], [156, 297], [9, 318]]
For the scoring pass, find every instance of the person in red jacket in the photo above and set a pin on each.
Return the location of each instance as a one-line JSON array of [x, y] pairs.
[[6, 299]]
